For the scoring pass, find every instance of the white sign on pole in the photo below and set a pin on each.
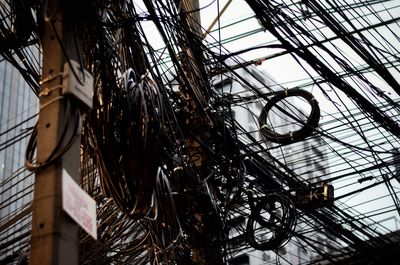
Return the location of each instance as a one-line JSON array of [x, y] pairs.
[[79, 205]]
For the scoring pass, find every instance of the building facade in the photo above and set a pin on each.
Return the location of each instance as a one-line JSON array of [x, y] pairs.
[[18, 111]]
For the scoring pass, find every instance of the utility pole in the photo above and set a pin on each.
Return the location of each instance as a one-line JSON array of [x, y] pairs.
[[55, 236], [206, 242]]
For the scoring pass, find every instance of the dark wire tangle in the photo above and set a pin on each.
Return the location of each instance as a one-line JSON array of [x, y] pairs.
[[271, 222], [291, 137]]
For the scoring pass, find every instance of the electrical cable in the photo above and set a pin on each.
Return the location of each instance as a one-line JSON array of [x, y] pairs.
[[308, 128], [278, 219], [60, 148]]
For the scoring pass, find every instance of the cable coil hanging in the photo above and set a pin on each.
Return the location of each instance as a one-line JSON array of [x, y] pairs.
[[128, 144], [296, 136], [271, 223]]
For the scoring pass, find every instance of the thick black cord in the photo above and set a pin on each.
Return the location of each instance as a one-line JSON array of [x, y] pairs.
[[61, 147], [291, 137]]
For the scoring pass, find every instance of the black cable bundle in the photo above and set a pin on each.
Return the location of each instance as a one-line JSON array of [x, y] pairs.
[[67, 139], [165, 230], [271, 15], [296, 136], [127, 144], [20, 26], [271, 222], [142, 145], [20, 21]]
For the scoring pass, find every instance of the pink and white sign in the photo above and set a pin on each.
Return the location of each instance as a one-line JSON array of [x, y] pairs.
[[79, 205]]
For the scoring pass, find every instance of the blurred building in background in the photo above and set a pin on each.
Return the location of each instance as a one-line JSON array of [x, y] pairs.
[[18, 110]]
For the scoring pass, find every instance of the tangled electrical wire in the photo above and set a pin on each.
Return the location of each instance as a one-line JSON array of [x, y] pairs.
[[67, 138], [18, 24], [271, 222], [291, 137], [19, 41], [164, 153], [128, 144], [271, 14]]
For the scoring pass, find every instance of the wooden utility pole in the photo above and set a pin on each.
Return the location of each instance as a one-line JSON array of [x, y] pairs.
[[54, 236]]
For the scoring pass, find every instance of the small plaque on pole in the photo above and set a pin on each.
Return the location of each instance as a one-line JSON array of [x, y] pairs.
[[79, 205]]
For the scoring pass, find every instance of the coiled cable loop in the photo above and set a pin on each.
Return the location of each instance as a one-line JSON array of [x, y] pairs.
[[291, 137]]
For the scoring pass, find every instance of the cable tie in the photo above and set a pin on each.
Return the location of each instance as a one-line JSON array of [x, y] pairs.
[[47, 91], [51, 102], [177, 168], [49, 78]]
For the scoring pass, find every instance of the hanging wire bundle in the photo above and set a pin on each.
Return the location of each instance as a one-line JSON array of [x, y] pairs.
[[127, 146], [19, 39], [291, 137], [271, 222]]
